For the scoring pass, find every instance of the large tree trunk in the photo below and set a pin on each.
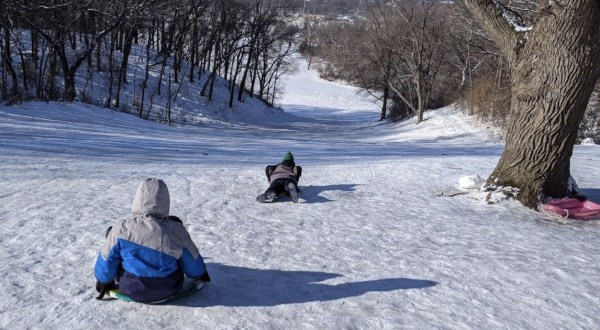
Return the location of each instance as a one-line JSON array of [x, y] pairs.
[[554, 70]]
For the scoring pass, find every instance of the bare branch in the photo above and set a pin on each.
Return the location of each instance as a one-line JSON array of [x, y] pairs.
[[502, 24]]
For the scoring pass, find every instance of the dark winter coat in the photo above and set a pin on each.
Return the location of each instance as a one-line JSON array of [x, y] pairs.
[[284, 170]]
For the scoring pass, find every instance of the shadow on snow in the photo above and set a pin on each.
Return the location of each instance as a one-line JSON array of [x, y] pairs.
[[311, 193], [245, 287]]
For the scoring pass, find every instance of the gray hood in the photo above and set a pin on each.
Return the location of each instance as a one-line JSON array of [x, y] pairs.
[[152, 198]]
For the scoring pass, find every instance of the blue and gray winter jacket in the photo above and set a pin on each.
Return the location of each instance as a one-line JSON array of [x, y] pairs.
[[148, 254]]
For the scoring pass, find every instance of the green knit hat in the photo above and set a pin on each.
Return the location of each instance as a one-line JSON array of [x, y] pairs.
[[288, 156]]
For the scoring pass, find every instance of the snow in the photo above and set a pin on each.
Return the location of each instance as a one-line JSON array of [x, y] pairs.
[[588, 140], [470, 182], [512, 18], [373, 244]]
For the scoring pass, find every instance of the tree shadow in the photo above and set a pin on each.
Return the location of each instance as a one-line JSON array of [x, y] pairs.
[[311, 193], [245, 287]]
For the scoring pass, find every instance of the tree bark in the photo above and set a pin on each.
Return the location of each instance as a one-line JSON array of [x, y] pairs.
[[554, 68], [7, 58], [386, 92], [128, 36]]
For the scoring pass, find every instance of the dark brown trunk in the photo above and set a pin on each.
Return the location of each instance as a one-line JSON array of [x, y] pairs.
[[386, 92], [553, 76], [8, 64], [122, 78]]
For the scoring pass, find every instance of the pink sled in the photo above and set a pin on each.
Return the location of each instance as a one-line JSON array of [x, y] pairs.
[[574, 208]]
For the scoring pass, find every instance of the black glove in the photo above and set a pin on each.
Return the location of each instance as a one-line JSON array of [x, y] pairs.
[[204, 277], [101, 287]]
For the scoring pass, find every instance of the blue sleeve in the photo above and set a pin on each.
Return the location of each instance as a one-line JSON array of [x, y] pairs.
[[192, 267], [106, 270]]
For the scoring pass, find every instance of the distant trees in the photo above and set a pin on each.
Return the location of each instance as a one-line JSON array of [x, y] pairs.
[[405, 44], [484, 89], [46, 45], [395, 53], [421, 54], [554, 64], [590, 126], [341, 7]]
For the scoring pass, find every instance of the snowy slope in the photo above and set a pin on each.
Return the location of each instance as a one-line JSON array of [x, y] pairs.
[[372, 246]]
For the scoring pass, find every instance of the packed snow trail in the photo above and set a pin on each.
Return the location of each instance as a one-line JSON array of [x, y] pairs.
[[372, 246]]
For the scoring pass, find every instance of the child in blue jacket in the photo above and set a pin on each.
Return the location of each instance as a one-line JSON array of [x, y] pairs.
[[147, 255]]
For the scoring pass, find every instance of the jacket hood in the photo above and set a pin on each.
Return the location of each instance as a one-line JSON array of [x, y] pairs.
[[152, 198]]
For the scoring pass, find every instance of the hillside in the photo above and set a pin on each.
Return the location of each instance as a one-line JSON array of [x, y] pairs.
[[372, 245]]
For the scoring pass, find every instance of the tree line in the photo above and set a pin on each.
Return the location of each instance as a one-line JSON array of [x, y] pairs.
[[415, 55], [47, 44], [411, 55]]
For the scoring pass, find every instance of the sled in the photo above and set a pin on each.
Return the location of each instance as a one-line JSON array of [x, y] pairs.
[[573, 208], [189, 288]]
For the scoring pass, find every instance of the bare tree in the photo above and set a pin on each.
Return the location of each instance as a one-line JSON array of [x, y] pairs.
[[58, 24], [590, 126], [8, 63], [554, 65], [7, 26], [43, 40], [263, 15], [308, 33], [418, 49], [403, 43], [276, 44]]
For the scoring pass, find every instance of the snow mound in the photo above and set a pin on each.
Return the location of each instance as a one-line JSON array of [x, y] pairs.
[[470, 182], [588, 141]]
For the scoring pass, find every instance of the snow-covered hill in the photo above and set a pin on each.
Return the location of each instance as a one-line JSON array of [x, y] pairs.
[[372, 245]]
